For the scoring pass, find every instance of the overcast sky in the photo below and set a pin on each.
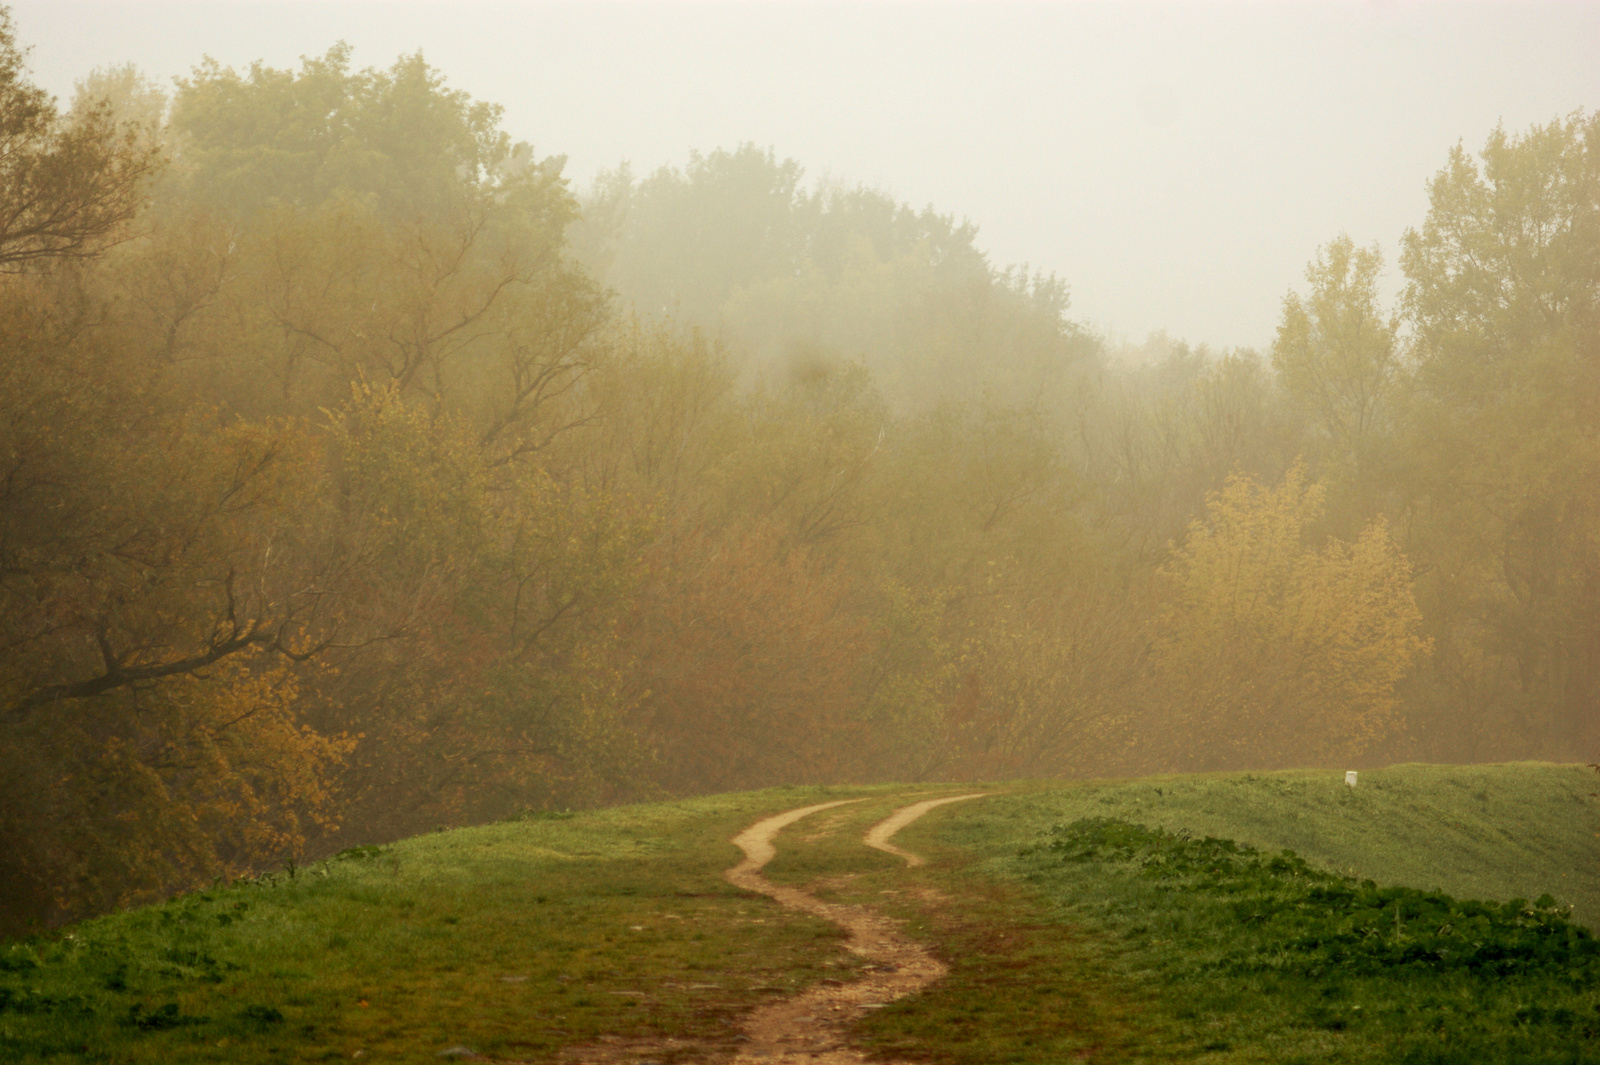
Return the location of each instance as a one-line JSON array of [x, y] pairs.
[[1177, 165]]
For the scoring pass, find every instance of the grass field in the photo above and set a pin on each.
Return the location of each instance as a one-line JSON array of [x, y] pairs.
[[1211, 963], [520, 938], [512, 939], [1491, 832]]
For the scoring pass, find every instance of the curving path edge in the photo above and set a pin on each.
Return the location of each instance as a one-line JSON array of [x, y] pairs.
[[810, 1028], [878, 835]]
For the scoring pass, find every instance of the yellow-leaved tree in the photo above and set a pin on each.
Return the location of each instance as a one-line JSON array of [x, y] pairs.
[[1273, 651]]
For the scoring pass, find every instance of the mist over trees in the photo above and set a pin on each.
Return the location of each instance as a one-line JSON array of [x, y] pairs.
[[361, 476], [805, 281]]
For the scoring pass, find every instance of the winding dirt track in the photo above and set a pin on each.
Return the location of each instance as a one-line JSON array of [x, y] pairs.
[[810, 1027], [878, 836]]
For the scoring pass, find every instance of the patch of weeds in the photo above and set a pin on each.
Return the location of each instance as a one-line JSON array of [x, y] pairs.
[[1286, 954], [163, 1018], [1310, 922], [18, 958], [33, 1002], [264, 1016]]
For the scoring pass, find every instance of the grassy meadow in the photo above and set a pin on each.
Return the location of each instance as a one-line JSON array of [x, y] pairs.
[[1490, 831], [1143, 950], [512, 939], [1081, 922]]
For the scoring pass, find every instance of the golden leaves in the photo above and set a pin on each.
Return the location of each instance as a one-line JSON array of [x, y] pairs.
[[1271, 651]]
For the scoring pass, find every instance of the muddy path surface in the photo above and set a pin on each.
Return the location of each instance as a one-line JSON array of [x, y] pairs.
[[811, 1027]]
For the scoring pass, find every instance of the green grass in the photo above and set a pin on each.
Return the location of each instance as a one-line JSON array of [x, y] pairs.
[[1080, 921], [1149, 951], [512, 939], [1488, 832]]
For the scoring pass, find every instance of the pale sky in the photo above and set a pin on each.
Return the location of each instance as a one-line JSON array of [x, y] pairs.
[[1176, 164]]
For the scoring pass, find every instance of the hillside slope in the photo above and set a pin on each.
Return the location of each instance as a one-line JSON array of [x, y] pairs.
[[1486, 832], [616, 928], [1099, 922]]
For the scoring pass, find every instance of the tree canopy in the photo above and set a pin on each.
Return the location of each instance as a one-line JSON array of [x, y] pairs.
[[359, 477], [71, 183]]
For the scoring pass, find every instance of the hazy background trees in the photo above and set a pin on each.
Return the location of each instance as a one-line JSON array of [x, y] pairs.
[[805, 281], [1500, 451], [360, 477]]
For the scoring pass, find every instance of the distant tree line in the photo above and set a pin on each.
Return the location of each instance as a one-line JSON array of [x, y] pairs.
[[359, 477]]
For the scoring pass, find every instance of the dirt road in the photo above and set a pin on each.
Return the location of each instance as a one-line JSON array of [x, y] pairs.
[[810, 1028]]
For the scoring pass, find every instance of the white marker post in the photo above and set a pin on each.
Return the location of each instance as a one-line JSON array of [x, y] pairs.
[[1350, 778]]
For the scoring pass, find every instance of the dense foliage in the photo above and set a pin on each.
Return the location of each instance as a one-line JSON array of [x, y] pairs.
[[358, 477]]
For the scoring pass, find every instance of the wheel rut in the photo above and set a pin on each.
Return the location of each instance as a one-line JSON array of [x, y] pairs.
[[811, 1028]]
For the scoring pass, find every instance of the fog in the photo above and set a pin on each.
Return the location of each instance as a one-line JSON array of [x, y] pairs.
[[827, 395], [1176, 164]]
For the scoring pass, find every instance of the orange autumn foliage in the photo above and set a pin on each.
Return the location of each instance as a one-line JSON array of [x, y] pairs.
[[748, 660], [205, 775]]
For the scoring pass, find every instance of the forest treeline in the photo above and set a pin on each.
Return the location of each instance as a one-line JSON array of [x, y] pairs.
[[360, 476]]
